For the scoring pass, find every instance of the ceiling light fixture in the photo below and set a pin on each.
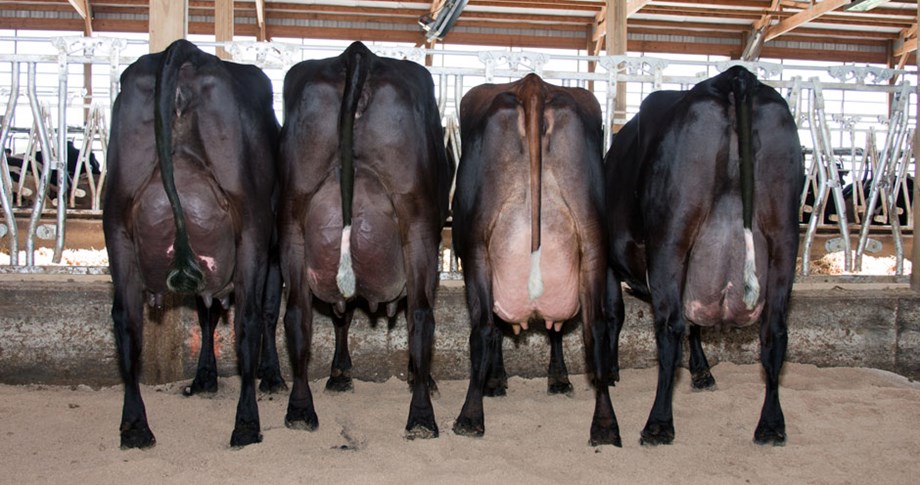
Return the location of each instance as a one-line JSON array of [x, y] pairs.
[[863, 5]]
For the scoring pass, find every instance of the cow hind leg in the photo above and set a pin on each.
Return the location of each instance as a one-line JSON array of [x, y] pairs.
[[771, 429], [605, 429], [206, 377], [421, 422], [271, 380], [248, 329], [128, 316], [497, 381], [669, 329], [557, 374], [340, 375], [700, 375], [298, 324], [485, 340], [615, 312]]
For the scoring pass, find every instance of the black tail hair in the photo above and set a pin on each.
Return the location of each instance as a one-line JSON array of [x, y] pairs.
[[185, 276], [356, 68], [743, 84]]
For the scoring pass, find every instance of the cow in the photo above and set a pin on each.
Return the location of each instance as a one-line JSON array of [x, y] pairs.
[[528, 228], [364, 199], [73, 160], [703, 191], [189, 209]]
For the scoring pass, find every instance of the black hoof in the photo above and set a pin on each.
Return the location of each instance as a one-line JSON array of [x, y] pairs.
[[140, 437], [205, 383], [495, 387], [703, 381], [302, 419], [609, 435], [657, 434], [422, 431], [245, 434], [340, 383], [765, 435], [272, 383], [614, 377], [421, 425], [560, 387], [466, 427]]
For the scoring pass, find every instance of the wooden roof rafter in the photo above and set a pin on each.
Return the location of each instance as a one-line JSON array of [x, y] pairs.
[[600, 20], [84, 10], [803, 17]]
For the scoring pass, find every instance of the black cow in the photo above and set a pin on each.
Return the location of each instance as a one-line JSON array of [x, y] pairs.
[[73, 159], [189, 127], [902, 202], [703, 192], [364, 198], [528, 228]]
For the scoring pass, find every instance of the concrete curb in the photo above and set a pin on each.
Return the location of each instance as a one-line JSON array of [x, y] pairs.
[[57, 330]]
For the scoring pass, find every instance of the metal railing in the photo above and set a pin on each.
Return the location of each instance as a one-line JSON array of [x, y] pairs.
[[826, 101]]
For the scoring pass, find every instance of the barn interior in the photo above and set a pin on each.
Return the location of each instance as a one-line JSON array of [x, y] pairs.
[[858, 56]]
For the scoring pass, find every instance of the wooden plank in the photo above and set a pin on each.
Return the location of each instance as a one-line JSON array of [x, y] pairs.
[[223, 25], [803, 17], [168, 22]]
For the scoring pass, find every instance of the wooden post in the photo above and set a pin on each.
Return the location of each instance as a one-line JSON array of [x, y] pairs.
[[616, 45], [915, 252], [168, 23], [223, 25]]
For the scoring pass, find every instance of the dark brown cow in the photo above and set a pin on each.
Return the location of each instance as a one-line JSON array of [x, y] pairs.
[[365, 192], [703, 192], [528, 228], [189, 127]]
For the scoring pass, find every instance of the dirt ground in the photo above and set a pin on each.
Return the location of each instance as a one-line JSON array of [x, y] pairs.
[[844, 425]]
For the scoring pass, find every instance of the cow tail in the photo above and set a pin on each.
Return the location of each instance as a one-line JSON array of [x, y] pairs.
[[742, 87], [185, 276], [356, 68], [534, 101]]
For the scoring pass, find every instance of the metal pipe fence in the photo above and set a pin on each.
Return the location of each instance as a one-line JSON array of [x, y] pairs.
[[855, 122]]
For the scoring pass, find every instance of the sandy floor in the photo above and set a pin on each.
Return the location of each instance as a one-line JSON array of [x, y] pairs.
[[844, 426]]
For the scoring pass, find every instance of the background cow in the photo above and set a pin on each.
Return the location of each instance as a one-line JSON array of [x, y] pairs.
[[73, 160], [528, 228], [189, 127], [364, 200], [703, 192]]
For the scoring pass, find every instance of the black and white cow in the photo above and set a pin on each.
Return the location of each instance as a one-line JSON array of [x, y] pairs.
[[703, 192], [189, 209]]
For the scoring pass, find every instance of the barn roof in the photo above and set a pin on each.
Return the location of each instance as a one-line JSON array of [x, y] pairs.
[[809, 30]]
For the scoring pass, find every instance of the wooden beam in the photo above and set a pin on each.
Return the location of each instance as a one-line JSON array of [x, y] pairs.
[[906, 43], [80, 7], [755, 36], [223, 25], [167, 23], [260, 20], [85, 11], [617, 45], [915, 252], [803, 18], [632, 6]]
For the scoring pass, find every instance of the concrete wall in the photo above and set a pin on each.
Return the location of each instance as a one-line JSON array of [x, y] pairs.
[[58, 330]]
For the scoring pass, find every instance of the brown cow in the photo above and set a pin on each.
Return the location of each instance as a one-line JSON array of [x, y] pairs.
[[528, 227]]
